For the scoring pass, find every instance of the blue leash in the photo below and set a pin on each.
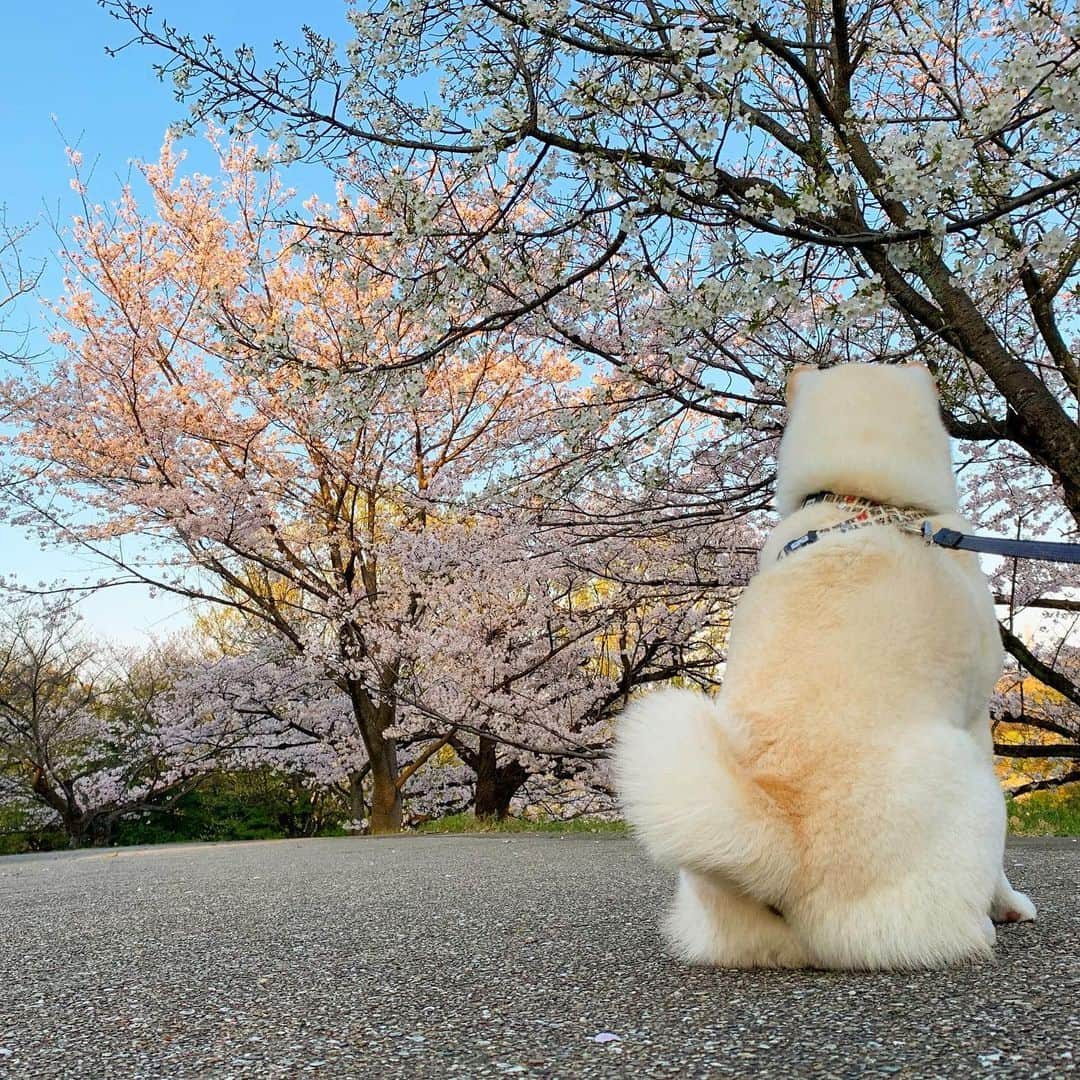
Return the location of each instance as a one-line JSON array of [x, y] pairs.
[[1042, 550], [910, 519]]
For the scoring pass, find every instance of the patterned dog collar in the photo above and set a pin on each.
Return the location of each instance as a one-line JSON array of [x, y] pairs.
[[864, 512]]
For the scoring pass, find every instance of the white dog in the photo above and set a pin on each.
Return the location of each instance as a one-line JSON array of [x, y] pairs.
[[836, 806]]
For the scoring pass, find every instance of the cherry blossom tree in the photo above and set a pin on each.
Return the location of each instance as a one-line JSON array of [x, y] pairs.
[[18, 278], [858, 160], [701, 196], [530, 653], [78, 731], [262, 482], [230, 396], [268, 708], [514, 660]]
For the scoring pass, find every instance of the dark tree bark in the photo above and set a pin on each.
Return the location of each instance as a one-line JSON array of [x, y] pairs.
[[373, 719], [496, 785]]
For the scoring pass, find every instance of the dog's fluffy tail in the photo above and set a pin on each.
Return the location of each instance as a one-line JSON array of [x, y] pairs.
[[690, 800]]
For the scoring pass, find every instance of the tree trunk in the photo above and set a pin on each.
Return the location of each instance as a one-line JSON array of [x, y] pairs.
[[496, 785], [358, 809], [386, 806], [102, 831], [373, 719], [75, 828], [1042, 426]]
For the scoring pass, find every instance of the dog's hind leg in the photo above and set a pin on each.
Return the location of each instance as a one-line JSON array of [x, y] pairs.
[[711, 922], [903, 928], [1009, 905]]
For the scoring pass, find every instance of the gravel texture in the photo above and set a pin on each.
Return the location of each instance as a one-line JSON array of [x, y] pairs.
[[456, 956]]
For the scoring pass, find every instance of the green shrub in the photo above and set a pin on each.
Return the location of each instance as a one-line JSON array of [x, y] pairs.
[[256, 805], [1046, 813]]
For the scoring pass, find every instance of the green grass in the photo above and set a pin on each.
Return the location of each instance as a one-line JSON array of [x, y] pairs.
[[468, 823], [1046, 813]]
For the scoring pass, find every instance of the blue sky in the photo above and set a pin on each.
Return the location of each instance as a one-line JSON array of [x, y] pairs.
[[58, 88]]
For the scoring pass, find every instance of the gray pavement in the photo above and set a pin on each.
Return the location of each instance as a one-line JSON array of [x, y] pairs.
[[477, 957]]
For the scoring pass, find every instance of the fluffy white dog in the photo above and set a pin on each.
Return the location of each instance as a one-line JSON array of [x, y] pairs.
[[836, 805]]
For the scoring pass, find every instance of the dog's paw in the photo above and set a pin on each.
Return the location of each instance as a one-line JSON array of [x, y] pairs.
[[1012, 906]]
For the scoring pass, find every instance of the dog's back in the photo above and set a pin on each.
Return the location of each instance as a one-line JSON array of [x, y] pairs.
[[862, 667]]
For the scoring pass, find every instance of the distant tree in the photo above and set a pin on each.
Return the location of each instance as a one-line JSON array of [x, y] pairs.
[[78, 736], [552, 643], [228, 394]]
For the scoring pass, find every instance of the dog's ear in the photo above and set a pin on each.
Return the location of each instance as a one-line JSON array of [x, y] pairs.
[[921, 371], [794, 375]]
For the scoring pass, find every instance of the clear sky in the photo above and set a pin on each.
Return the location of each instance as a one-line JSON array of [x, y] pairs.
[[58, 88]]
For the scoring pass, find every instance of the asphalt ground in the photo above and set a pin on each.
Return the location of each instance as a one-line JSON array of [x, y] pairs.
[[455, 956]]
